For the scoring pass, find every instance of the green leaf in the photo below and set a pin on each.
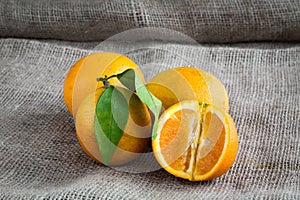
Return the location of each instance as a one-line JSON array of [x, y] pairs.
[[110, 120], [153, 103], [127, 78]]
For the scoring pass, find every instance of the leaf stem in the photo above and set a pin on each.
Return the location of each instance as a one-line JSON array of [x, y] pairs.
[[203, 104], [105, 80]]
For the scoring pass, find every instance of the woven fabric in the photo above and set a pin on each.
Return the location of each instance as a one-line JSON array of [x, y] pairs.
[[210, 21], [40, 157]]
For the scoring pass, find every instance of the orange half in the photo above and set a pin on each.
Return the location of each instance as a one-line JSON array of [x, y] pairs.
[[195, 141]]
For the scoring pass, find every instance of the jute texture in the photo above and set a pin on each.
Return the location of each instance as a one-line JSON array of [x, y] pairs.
[[40, 157], [210, 21]]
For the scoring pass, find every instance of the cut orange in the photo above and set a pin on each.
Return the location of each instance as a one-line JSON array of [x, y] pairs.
[[195, 141]]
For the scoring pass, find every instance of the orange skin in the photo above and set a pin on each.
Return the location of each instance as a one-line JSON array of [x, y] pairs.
[[135, 136], [191, 84], [81, 79]]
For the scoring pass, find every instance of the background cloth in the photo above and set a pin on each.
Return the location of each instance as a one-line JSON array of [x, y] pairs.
[[40, 157], [207, 21]]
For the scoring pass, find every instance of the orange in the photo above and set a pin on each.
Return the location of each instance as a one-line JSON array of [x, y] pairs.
[[195, 141], [187, 83], [80, 80], [135, 135]]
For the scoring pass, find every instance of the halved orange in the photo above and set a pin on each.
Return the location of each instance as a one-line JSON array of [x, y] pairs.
[[195, 141]]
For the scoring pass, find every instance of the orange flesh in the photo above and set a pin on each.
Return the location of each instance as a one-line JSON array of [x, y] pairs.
[[213, 126], [184, 150], [176, 140]]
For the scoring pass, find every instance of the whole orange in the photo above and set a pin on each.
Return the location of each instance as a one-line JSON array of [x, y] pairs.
[[186, 83], [80, 80], [135, 136]]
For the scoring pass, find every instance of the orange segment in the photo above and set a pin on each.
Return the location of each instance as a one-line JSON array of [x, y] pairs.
[[178, 139], [195, 142], [223, 153]]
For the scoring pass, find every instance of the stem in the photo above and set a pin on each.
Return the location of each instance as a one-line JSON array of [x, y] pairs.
[[203, 104], [105, 80]]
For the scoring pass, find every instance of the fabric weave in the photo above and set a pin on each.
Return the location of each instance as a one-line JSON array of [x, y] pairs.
[[40, 157], [210, 21]]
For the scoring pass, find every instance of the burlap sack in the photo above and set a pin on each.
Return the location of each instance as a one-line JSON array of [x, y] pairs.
[[211, 21], [40, 157]]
